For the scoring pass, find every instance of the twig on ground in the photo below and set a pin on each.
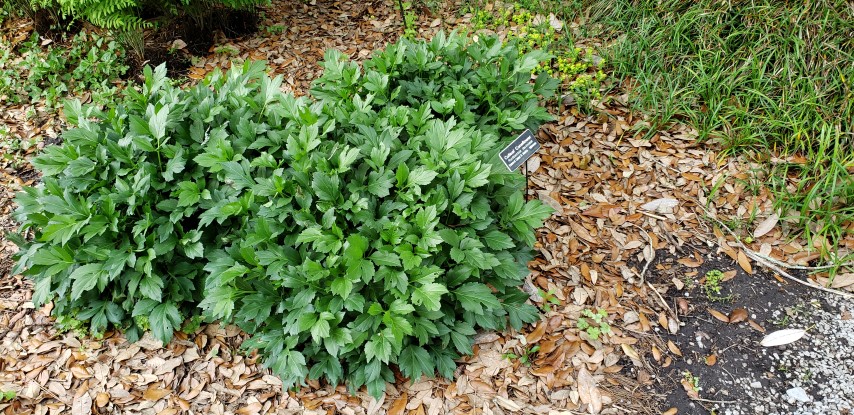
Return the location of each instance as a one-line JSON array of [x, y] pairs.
[[658, 295], [802, 267], [760, 259], [651, 215], [711, 401]]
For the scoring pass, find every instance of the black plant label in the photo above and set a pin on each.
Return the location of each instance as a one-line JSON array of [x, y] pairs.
[[520, 150]]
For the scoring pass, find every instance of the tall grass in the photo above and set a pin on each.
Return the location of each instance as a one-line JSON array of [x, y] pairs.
[[770, 77]]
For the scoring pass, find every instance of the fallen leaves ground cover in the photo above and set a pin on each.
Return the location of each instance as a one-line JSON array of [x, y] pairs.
[[595, 253]]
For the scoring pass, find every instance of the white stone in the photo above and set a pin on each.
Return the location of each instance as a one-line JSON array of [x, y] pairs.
[[799, 394]]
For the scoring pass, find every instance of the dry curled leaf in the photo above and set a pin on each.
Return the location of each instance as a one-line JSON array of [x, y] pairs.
[[399, 405], [154, 393], [756, 326], [782, 337], [737, 316], [102, 399], [682, 304], [588, 391], [82, 405], [843, 280]]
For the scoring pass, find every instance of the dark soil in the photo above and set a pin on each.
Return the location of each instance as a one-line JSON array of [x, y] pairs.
[[768, 302], [199, 33], [54, 26]]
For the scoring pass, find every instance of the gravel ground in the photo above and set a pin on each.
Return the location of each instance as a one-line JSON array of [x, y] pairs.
[[817, 370]]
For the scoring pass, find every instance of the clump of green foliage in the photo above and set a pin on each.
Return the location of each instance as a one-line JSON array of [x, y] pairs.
[[7, 395], [116, 218], [581, 74], [388, 231], [597, 323], [525, 357], [49, 74], [712, 285], [369, 226]]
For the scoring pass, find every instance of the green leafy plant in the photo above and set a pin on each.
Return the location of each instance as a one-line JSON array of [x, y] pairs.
[[580, 72], [384, 231], [526, 357], [410, 19], [597, 325], [712, 285], [7, 395], [227, 50], [275, 29], [689, 380], [367, 227], [90, 64], [116, 217], [549, 299]]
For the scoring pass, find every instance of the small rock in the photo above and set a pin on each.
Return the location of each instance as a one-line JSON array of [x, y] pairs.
[[798, 394], [756, 385]]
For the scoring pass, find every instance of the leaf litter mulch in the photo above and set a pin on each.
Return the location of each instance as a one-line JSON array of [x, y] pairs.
[[631, 236]]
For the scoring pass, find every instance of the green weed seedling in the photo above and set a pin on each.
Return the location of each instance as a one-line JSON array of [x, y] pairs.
[[227, 50], [597, 324], [712, 286], [275, 29], [6, 396], [526, 356], [549, 299], [690, 379]]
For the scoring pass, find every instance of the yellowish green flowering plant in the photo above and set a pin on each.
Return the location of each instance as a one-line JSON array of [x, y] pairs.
[[579, 73]]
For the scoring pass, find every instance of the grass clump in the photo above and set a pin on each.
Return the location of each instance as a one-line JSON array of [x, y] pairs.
[[766, 77]]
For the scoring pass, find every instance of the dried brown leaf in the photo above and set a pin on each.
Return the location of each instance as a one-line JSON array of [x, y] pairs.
[[537, 334], [102, 399], [766, 226], [673, 349], [155, 393], [718, 315], [588, 391], [711, 359], [744, 262], [738, 315], [82, 405], [399, 405]]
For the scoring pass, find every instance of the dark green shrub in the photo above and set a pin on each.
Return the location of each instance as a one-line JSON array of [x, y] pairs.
[[370, 228], [383, 230], [119, 237]]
